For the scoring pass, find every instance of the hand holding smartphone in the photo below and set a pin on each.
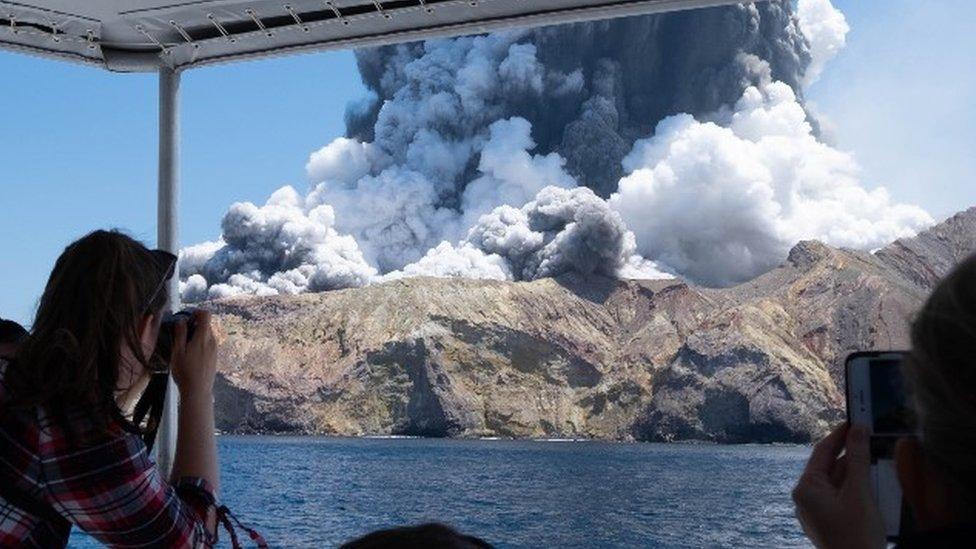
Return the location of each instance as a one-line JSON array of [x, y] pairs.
[[877, 401]]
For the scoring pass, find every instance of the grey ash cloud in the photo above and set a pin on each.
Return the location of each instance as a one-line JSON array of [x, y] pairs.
[[672, 143], [589, 90]]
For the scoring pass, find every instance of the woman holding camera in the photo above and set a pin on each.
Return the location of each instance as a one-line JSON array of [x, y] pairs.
[[69, 451], [937, 469]]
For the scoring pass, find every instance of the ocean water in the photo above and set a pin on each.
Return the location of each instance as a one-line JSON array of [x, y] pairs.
[[318, 492]]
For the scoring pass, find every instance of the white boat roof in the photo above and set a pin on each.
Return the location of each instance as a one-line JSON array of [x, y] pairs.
[[146, 35]]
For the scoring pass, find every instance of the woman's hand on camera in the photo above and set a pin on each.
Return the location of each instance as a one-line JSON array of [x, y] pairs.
[[833, 496], [194, 362]]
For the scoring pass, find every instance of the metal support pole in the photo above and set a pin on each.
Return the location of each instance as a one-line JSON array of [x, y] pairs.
[[167, 237]]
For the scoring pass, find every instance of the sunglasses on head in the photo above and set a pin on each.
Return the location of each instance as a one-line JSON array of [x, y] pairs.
[[166, 262]]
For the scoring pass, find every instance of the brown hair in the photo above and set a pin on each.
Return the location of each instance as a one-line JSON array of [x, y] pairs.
[[100, 288], [941, 373]]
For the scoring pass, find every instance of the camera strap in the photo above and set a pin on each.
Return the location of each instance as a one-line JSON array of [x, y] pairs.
[[150, 407]]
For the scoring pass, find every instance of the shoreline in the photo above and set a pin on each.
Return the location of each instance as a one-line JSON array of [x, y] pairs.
[[550, 440]]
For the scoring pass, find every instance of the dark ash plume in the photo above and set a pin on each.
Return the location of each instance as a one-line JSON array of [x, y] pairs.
[[595, 88]]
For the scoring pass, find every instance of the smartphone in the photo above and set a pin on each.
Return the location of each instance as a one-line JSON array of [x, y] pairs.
[[877, 400]]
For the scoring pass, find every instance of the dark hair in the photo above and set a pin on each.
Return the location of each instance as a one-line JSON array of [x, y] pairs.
[[11, 332], [941, 374], [429, 536], [100, 288]]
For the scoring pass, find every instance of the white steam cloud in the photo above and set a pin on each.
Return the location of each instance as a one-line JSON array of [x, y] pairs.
[[825, 28], [722, 202], [397, 212], [501, 157]]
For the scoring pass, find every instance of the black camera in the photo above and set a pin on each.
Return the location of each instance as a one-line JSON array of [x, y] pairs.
[[149, 408], [164, 345]]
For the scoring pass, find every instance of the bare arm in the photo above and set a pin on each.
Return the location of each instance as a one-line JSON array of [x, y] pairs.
[[194, 368], [196, 446]]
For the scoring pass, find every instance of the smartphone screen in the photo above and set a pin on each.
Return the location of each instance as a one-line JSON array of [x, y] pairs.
[[877, 399], [891, 414]]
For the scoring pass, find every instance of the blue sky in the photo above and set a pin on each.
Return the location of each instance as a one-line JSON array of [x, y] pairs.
[[79, 146]]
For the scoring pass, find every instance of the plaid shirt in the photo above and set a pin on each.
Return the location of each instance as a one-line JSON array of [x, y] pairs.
[[110, 489]]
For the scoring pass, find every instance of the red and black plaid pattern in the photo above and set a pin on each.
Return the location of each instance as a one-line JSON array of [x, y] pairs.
[[109, 489]]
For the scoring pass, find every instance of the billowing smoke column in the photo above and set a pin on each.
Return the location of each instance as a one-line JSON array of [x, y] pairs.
[[675, 143], [282, 247], [588, 90], [560, 231]]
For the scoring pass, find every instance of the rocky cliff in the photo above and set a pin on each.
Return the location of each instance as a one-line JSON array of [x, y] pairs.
[[577, 356]]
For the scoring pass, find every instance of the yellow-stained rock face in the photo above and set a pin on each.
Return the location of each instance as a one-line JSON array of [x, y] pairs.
[[576, 356]]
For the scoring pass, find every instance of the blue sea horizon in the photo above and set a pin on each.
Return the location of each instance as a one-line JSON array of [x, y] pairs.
[[322, 491]]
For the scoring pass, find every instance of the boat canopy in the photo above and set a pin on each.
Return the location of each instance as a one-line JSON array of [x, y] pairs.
[[149, 35]]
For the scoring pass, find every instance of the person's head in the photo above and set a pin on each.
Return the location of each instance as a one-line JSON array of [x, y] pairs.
[[938, 471], [96, 326], [11, 336], [428, 536]]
